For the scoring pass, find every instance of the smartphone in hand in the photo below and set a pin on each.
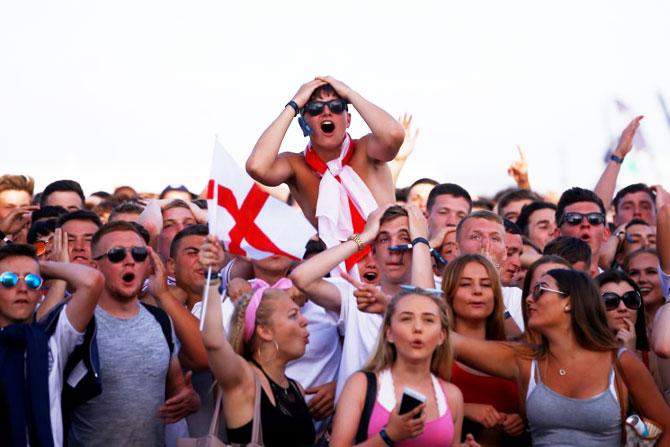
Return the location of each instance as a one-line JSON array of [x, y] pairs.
[[410, 400]]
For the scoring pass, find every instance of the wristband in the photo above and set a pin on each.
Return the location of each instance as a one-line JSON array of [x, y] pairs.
[[214, 275], [357, 238], [385, 437], [420, 240], [294, 106], [616, 159]]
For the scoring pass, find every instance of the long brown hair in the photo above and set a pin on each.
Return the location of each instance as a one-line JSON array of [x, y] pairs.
[[495, 322], [587, 313], [385, 352]]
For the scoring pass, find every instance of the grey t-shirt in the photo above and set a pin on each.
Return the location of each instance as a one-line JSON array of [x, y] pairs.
[[134, 360]]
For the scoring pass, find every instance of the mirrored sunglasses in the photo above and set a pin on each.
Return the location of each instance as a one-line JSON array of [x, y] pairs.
[[576, 218], [11, 279]]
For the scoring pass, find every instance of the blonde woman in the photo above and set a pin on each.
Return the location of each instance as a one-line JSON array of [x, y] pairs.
[[412, 351], [267, 331]]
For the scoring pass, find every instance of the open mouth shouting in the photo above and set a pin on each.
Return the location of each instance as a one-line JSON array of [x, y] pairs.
[[128, 278], [327, 127]]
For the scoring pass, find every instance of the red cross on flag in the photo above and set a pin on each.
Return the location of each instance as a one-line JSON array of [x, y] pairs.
[[247, 219]]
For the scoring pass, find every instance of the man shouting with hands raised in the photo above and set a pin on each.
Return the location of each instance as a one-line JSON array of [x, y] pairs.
[[337, 181]]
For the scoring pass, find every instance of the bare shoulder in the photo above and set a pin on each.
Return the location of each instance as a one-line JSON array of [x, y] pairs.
[[453, 392], [357, 381], [362, 151]]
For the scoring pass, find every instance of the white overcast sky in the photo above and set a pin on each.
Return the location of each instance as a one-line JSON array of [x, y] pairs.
[[134, 92]]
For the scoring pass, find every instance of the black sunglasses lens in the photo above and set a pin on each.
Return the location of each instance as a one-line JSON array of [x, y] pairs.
[[314, 108], [573, 218], [139, 254], [116, 254], [537, 291], [337, 105], [595, 219], [631, 300], [611, 300]]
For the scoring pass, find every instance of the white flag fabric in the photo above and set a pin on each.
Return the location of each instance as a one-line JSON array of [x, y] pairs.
[[247, 218]]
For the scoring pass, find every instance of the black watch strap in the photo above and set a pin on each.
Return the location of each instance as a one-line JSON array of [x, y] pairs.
[[294, 106], [420, 240]]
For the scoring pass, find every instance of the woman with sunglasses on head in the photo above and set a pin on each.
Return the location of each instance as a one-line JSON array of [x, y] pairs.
[[535, 271], [412, 352], [267, 331], [568, 378], [625, 313], [491, 409]]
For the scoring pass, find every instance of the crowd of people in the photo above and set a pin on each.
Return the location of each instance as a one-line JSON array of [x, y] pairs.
[[417, 316]]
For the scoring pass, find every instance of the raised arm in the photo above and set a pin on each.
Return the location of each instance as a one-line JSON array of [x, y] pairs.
[[496, 358], [422, 273], [607, 182], [185, 324], [264, 164], [308, 276], [663, 228], [57, 287], [387, 134], [229, 369], [406, 149], [518, 170], [87, 283]]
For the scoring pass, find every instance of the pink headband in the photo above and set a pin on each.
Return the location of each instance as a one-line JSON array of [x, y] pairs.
[[259, 287]]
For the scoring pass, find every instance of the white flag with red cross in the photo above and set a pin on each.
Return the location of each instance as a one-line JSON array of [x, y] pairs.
[[247, 218]]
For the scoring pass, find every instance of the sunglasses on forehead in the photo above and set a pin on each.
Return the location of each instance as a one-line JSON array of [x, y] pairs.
[[11, 279], [118, 254], [576, 218], [631, 300], [315, 108], [437, 293]]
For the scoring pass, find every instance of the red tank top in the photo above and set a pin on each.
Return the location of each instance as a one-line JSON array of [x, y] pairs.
[[502, 394]]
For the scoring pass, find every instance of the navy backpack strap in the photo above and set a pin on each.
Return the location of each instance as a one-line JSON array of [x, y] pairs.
[[164, 321], [370, 397]]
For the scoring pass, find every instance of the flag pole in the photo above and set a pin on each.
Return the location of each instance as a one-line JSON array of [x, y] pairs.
[[212, 230]]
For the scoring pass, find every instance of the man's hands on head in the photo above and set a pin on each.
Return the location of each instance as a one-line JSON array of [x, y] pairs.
[[371, 228], [305, 91], [342, 89]]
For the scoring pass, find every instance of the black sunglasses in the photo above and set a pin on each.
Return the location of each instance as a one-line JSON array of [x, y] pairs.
[[576, 218], [631, 300], [118, 254], [315, 108]]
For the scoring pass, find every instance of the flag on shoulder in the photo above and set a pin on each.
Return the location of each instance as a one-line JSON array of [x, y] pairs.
[[247, 218]]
